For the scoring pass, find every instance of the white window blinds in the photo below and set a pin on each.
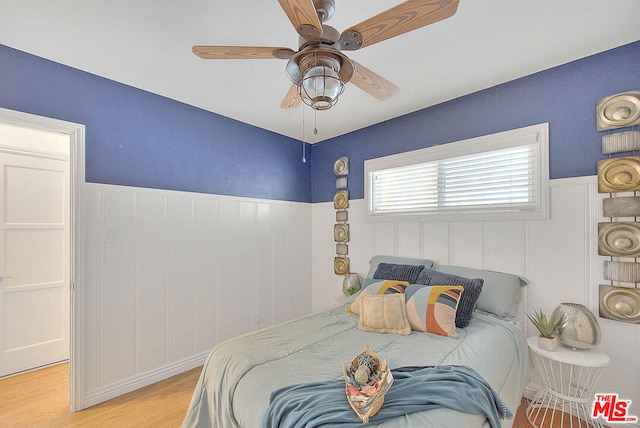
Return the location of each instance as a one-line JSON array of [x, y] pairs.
[[500, 173]]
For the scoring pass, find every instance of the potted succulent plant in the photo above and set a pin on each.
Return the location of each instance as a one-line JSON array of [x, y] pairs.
[[548, 327]]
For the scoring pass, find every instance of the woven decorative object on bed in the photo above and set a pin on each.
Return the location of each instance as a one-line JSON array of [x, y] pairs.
[[367, 381]]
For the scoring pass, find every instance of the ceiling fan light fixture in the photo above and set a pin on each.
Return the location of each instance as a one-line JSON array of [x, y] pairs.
[[321, 86], [320, 73], [313, 68]]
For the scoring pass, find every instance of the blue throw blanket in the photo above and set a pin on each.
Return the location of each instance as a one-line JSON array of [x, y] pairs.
[[324, 404]]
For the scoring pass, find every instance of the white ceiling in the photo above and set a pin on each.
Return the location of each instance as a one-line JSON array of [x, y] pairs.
[[147, 44]]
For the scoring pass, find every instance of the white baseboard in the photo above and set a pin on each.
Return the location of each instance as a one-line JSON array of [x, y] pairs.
[[113, 390]]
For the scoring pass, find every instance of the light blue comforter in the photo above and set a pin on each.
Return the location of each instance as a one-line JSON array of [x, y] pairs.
[[239, 374], [323, 404]]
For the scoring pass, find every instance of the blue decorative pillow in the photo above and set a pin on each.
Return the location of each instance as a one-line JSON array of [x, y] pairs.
[[397, 272], [501, 292], [468, 300], [376, 260]]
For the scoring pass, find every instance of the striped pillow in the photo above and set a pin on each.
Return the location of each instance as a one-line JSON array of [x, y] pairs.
[[432, 309], [398, 272]]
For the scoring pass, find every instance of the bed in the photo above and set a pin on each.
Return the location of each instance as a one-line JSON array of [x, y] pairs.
[[239, 375]]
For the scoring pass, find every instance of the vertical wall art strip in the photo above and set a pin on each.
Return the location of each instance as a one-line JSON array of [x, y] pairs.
[[620, 177], [341, 229]]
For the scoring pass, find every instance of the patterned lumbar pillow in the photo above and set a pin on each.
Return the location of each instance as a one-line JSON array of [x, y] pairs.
[[432, 309]]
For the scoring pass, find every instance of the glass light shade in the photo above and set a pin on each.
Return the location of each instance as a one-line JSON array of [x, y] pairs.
[[351, 284], [581, 329], [321, 86]]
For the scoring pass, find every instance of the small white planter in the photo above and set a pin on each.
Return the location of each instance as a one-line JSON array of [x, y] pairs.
[[548, 343]]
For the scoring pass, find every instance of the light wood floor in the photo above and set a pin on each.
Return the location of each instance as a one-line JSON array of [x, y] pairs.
[[41, 399]]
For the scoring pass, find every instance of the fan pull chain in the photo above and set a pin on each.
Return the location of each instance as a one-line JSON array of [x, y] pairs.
[[315, 120], [304, 146]]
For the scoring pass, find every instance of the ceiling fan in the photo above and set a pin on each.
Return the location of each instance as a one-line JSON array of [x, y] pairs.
[[318, 69]]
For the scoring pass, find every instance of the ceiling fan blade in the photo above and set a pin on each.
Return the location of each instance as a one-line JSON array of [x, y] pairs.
[[303, 16], [407, 16], [372, 83], [292, 99], [242, 52]]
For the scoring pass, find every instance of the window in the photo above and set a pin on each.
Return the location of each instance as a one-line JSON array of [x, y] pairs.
[[501, 175]]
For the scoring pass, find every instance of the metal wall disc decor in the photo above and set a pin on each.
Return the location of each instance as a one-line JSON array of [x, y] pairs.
[[619, 174], [626, 206], [619, 239], [620, 303], [341, 166], [628, 141], [341, 265], [618, 111], [341, 232], [342, 216], [341, 200]]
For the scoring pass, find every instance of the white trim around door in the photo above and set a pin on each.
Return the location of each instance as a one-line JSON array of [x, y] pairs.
[[76, 133]]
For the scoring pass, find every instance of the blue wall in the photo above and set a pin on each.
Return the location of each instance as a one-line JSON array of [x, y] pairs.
[[135, 138], [564, 96]]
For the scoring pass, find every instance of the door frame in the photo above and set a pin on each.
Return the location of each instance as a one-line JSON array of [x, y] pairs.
[[76, 134]]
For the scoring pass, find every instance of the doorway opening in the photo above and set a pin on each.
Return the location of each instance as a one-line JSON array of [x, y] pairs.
[[73, 133]]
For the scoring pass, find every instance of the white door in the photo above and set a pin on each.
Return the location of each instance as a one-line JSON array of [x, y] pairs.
[[34, 260]]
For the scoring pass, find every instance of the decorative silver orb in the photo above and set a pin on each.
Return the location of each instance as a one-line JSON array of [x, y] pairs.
[[581, 329]]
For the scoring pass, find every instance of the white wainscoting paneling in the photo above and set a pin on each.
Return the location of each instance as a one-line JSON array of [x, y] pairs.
[[558, 256], [169, 275]]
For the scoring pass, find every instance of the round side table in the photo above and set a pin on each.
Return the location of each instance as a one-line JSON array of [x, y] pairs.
[[569, 381]]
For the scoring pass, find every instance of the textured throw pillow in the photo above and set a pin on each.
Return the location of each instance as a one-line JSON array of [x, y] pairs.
[[432, 309], [472, 289], [384, 313], [376, 260], [501, 292], [382, 287], [397, 272]]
